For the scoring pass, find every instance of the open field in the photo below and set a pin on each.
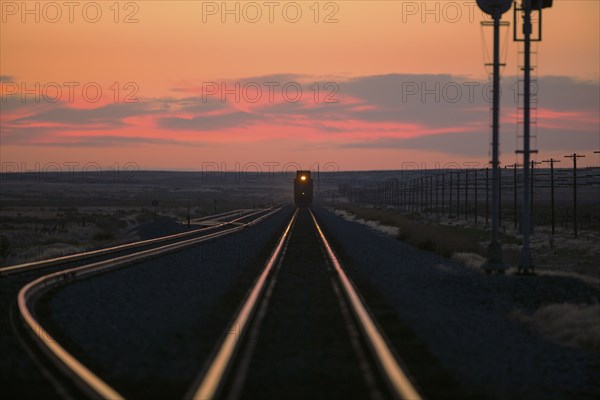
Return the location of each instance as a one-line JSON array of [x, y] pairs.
[[551, 318], [44, 217], [558, 253]]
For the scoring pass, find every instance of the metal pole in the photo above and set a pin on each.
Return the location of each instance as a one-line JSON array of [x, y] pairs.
[[430, 191], [401, 195], [574, 157], [389, 193], [500, 198], [457, 195], [443, 191], [526, 262], [476, 195], [415, 188], [450, 197], [423, 196], [515, 188], [487, 195], [467, 194], [437, 194], [494, 259], [533, 164], [551, 161]]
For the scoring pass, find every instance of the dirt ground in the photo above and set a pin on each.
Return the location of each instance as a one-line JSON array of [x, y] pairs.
[[45, 218]]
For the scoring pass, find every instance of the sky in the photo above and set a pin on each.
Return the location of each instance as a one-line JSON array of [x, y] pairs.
[[345, 85]]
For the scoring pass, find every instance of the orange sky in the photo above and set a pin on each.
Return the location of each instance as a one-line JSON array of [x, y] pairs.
[[170, 51]]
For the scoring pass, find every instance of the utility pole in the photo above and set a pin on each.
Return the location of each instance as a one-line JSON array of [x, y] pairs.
[[487, 195], [527, 6], [533, 164], [476, 195], [499, 198], [430, 191], [437, 194], [494, 251], [457, 195], [551, 161], [423, 195], [526, 262], [411, 193], [574, 157], [415, 188], [402, 194], [443, 191], [515, 187], [467, 194], [450, 196]]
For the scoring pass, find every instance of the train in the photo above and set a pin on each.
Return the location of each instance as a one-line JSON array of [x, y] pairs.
[[303, 189]]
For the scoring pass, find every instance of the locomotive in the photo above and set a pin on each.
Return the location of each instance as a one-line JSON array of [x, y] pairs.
[[303, 189]]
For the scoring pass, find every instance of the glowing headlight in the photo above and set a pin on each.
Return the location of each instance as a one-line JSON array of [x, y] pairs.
[[303, 178]]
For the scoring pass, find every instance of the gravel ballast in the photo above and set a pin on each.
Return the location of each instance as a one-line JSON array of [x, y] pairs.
[[303, 347], [149, 328], [464, 320]]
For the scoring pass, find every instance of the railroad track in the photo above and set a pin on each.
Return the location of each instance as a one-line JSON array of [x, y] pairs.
[[303, 332], [38, 277], [222, 222], [302, 293]]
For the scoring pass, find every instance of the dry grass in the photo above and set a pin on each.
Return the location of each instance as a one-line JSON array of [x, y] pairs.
[[470, 260], [467, 243], [445, 240], [575, 325]]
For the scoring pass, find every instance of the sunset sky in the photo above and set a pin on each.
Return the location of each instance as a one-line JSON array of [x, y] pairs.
[[362, 84]]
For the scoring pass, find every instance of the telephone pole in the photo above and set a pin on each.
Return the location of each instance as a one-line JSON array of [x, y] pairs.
[[574, 157], [551, 161], [494, 250], [533, 164], [515, 187]]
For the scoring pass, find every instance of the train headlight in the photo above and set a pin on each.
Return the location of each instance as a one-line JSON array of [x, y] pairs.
[[303, 178]]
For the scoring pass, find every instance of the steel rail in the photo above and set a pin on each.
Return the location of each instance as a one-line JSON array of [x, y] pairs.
[[399, 381], [84, 378], [216, 216], [208, 386], [14, 269]]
